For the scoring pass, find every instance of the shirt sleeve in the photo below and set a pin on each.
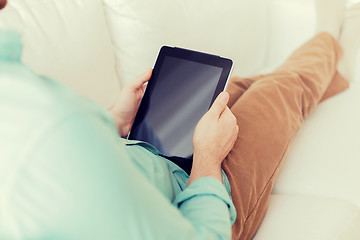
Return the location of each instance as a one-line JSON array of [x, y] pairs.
[[201, 201], [80, 184]]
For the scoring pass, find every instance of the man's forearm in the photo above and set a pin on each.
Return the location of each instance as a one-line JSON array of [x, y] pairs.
[[204, 168]]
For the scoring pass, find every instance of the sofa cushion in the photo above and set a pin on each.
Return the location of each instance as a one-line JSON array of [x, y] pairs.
[[68, 41], [324, 156], [231, 28], [311, 218]]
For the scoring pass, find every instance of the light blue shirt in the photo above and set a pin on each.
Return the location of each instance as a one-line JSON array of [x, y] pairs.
[[66, 174]]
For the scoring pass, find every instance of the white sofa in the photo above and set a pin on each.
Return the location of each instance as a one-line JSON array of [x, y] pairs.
[[95, 46]]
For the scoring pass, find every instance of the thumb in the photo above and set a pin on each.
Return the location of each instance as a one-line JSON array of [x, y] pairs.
[[220, 103]]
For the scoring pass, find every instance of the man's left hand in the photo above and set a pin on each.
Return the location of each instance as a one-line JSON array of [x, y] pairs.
[[126, 106]]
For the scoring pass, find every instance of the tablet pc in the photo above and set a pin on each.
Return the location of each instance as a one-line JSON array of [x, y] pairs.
[[183, 85]]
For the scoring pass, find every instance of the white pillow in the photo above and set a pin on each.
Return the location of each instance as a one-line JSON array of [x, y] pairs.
[[231, 28], [68, 41]]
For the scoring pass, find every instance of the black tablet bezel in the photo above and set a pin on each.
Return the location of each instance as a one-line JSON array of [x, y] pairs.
[[190, 55]]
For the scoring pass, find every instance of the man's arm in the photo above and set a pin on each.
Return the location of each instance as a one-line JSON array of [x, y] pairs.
[[82, 185], [214, 138]]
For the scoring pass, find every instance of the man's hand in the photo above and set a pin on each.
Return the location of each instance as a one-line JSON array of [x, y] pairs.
[[126, 106], [214, 137]]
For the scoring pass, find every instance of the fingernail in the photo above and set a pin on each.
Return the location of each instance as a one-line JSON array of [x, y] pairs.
[[224, 95]]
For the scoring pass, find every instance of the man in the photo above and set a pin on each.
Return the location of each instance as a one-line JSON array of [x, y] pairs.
[[269, 109], [66, 173]]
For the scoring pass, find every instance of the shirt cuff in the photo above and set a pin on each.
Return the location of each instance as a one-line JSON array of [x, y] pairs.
[[207, 186]]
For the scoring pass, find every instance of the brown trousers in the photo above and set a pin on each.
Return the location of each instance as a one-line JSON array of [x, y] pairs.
[[269, 109]]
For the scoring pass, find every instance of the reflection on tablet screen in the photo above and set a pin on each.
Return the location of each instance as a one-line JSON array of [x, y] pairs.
[[181, 96]]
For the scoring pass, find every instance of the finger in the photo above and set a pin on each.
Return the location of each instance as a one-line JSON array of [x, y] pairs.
[[143, 87], [219, 104], [141, 79], [226, 112]]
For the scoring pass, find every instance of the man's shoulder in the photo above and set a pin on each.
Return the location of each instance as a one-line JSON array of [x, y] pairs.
[[30, 103]]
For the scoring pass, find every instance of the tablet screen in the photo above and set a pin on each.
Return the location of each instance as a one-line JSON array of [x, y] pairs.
[[180, 95]]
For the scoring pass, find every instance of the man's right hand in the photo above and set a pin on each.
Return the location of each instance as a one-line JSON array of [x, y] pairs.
[[214, 137]]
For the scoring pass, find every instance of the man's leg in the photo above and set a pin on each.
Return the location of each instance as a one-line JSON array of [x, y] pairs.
[[237, 86], [269, 112]]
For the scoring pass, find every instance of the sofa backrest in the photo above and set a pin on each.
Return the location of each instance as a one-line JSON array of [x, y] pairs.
[[291, 23], [230, 28], [66, 40]]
